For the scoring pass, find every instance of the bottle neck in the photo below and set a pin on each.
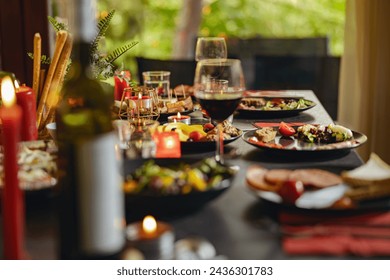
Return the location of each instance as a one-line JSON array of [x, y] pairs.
[[82, 54], [81, 60], [84, 49]]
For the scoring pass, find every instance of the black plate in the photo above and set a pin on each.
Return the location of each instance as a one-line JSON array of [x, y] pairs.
[[259, 113], [49, 150], [191, 147], [299, 147], [139, 205]]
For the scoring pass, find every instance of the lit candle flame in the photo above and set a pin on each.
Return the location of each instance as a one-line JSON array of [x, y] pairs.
[[7, 92], [149, 224], [16, 84], [169, 143], [174, 120], [178, 115], [139, 95]]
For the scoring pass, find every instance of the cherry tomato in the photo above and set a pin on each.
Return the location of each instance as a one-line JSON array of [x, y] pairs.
[[290, 191], [208, 126], [286, 130], [195, 136]]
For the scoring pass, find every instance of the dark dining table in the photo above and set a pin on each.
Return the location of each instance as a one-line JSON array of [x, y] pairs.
[[238, 223]]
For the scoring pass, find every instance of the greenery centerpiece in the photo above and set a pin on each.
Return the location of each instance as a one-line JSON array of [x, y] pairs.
[[102, 64], [48, 90]]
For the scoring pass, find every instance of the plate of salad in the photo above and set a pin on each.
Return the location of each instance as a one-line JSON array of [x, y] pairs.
[[273, 107], [313, 139], [170, 187]]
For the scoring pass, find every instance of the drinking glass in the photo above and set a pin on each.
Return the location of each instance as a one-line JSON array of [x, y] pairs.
[[219, 86], [210, 48], [141, 144], [124, 131], [159, 80]]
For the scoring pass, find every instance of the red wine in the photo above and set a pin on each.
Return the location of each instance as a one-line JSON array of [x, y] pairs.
[[219, 106]]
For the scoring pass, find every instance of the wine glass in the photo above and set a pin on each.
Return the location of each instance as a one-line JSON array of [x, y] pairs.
[[210, 47], [219, 86]]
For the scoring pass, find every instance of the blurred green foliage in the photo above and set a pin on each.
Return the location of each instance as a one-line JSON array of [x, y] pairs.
[[153, 22]]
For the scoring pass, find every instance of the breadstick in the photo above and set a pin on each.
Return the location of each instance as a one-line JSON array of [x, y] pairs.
[[58, 78], [56, 84], [41, 83], [60, 42], [37, 62]]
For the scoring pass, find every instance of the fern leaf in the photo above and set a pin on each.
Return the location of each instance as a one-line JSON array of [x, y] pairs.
[[44, 59], [119, 51], [103, 25], [58, 26]]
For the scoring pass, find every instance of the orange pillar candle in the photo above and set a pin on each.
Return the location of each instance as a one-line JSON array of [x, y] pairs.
[[13, 200], [167, 145], [25, 98]]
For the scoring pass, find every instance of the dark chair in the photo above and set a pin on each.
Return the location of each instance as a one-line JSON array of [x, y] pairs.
[[318, 73], [182, 71], [307, 46], [247, 49]]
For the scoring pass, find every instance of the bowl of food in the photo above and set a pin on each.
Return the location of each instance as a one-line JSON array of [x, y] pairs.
[[200, 135], [165, 187]]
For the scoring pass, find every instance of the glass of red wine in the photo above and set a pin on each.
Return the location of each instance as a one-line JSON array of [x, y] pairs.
[[219, 86]]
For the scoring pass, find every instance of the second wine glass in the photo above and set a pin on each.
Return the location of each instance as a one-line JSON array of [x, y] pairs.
[[219, 86], [210, 48]]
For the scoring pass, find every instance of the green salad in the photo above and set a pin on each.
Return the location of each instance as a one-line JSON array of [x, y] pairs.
[[183, 178], [286, 104], [274, 104]]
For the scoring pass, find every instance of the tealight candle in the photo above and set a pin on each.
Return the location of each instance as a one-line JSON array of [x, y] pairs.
[[142, 101], [164, 101], [155, 239], [180, 118]]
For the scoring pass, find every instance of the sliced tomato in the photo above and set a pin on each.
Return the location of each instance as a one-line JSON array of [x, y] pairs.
[[286, 130], [277, 101], [195, 136], [208, 126]]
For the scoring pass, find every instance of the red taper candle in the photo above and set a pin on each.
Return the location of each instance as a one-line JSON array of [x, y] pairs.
[[13, 199], [119, 87], [25, 98]]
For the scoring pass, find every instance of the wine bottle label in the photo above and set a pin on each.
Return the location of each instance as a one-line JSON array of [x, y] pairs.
[[101, 199]]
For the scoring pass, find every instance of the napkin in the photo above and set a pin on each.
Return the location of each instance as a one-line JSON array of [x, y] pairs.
[[275, 124], [361, 234]]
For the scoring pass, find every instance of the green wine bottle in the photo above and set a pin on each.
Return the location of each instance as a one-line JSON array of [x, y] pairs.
[[91, 200]]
